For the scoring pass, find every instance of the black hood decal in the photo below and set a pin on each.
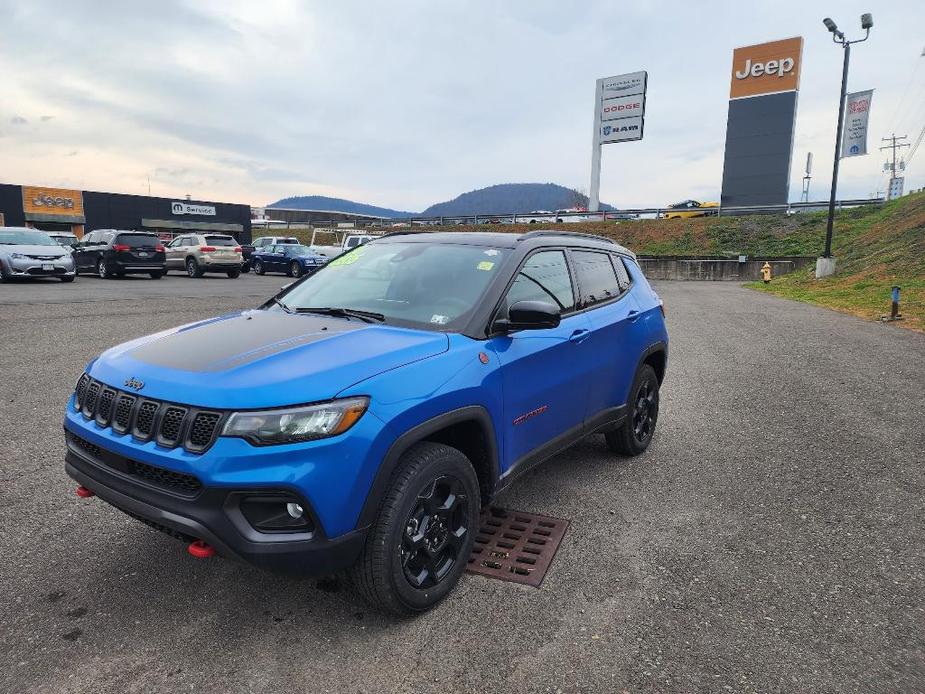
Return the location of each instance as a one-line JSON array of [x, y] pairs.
[[230, 341]]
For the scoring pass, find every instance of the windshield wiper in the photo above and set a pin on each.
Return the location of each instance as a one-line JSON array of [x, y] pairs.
[[281, 305], [368, 316]]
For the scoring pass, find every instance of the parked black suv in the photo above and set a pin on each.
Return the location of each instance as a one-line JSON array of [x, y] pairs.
[[113, 253]]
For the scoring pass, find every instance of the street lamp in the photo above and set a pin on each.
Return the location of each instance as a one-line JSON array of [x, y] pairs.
[[867, 21]]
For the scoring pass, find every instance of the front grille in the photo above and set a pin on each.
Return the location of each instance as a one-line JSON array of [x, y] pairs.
[[169, 424], [144, 419], [104, 409], [171, 421], [169, 480], [203, 429]]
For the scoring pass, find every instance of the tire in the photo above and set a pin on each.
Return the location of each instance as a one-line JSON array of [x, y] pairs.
[[635, 434], [102, 270], [66, 279], [245, 268], [192, 268], [258, 267], [156, 275], [234, 274], [393, 575], [295, 270]]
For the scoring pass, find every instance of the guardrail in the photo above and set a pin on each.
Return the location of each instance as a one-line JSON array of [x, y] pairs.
[[627, 214]]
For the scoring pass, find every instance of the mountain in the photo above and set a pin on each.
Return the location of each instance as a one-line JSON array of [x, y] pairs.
[[322, 202], [511, 197]]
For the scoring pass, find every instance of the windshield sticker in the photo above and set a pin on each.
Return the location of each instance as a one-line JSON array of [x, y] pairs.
[[439, 320], [485, 265], [347, 259]]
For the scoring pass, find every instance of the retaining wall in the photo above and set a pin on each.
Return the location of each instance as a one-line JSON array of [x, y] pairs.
[[729, 269]]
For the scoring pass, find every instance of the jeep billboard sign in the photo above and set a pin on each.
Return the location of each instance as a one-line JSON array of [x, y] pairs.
[[764, 80], [766, 68]]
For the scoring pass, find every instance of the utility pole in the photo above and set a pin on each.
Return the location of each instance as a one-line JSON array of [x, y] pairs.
[[894, 188]]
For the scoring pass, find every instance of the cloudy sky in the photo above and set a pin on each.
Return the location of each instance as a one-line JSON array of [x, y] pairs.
[[409, 102]]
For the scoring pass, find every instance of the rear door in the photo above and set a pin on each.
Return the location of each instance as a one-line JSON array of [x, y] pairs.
[[617, 336], [544, 372]]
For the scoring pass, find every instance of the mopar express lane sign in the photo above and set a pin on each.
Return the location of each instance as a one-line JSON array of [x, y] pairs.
[[857, 110], [189, 208]]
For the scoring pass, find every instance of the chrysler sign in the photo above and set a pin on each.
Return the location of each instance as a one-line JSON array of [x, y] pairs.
[[189, 208]]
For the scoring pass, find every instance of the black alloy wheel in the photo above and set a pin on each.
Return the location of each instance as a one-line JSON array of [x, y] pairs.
[[435, 533], [645, 410], [295, 270], [635, 433]]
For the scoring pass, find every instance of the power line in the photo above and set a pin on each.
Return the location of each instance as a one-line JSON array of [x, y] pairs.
[[894, 189]]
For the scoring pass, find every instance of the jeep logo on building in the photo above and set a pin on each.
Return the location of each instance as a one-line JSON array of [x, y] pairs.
[[771, 67], [46, 200]]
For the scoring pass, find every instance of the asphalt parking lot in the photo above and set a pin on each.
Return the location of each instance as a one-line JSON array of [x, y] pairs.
[[770, 539]]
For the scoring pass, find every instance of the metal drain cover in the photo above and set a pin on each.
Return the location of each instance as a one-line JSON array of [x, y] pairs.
[[515, 546]]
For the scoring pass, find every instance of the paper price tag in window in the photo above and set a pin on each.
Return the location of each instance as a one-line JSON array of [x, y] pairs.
[[485, 265]]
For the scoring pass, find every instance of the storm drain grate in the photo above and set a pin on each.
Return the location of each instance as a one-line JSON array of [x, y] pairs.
[[515, 546]]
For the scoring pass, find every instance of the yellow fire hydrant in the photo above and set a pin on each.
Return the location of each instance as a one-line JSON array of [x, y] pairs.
[[766, 272]]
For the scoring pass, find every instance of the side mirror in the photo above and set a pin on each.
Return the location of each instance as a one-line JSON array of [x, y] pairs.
[[529, 315]]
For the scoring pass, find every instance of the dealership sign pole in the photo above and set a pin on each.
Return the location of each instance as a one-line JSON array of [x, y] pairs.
[[619, 115]]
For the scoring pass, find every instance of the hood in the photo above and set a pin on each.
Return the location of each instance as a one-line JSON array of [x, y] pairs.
[[262, 359], [56, 250]]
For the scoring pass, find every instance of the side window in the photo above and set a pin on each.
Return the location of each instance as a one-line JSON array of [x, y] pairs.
[[107, 238], [544, 277], [597, 279], [623, 277]]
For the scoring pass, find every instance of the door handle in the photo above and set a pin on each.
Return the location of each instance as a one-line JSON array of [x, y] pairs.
[[633, 316], [579, 336]]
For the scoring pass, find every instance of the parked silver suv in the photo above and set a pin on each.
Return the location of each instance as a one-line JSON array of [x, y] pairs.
[[199, 253], [27, 252]]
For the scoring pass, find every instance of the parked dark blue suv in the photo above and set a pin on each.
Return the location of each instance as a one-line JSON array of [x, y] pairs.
[[361, 417]]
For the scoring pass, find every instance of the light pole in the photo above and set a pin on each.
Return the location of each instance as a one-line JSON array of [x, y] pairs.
[[827, 266]]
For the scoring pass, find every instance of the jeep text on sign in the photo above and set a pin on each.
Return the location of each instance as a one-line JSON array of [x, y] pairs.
[[766, 68], [40, 200], [621, 107]]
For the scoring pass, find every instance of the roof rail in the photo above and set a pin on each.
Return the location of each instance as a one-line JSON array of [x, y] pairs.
[[401, 233], [552, 232]]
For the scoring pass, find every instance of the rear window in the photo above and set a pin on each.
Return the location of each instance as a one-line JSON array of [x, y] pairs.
[[137, 240], [290, 240], [597, 280], [221, 241]]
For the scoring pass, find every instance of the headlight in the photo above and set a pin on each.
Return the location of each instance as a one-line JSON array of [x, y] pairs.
[[296, 424]]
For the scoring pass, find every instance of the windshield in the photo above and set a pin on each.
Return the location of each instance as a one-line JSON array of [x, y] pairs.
[[428, 285], [25, 238], [65, 239], [137, 240], [221, 241]]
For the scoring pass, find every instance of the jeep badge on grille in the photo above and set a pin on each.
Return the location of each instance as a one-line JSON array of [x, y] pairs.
[[134, 384]]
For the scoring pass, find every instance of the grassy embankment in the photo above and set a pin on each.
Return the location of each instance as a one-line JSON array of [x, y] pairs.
[[876, 248]]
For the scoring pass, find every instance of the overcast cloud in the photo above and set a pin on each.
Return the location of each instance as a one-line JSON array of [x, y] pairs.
[[406, 103]]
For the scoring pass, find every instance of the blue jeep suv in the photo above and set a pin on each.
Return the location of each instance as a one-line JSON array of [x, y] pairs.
[[362, 417]]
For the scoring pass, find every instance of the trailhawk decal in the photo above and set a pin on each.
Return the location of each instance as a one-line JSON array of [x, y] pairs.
[[532, 413]]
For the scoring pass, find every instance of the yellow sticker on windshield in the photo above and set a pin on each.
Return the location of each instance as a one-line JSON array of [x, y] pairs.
[[348, 258], [485, 265]]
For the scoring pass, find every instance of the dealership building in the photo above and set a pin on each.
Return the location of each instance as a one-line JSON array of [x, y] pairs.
[[79, 212]]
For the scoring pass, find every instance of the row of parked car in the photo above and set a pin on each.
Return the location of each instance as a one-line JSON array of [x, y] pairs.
[[111, 253]]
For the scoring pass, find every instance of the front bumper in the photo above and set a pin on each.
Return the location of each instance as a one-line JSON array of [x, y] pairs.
[[29, 267], [214, 515]]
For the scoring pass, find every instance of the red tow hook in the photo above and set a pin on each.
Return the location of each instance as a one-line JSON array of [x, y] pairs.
[[201, 549], [85, 493]]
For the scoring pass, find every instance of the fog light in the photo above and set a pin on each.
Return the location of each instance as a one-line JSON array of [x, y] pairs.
[[294, 510], [276, 513]]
